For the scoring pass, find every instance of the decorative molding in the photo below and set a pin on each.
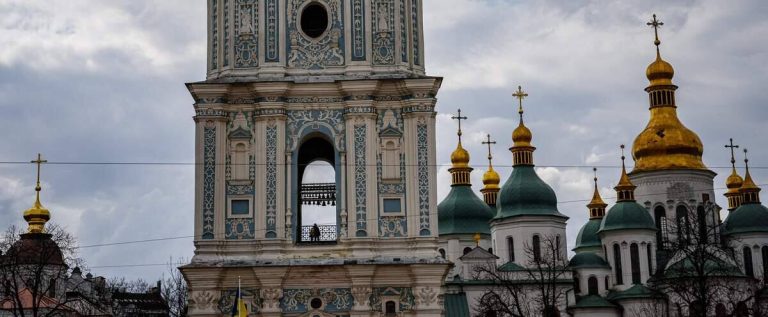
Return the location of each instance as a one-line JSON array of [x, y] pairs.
[[384, 32], [358, 30], [425, 296], [210, 113], [270, 298], [226, 33], [206, 101], [359, 109], [271, 181], [312, 99], [362, 296], [251, 297], [361, 193], [240, 189], [247, 40], [404, 294], [209, 181], [298, 120], [419, 108], [272, 30], [422, 153], [202, 300], [325, 51], [403, 32], [393, 227], [334, 299], [270, 112], [214, 34], [240, 229], [416, 32]]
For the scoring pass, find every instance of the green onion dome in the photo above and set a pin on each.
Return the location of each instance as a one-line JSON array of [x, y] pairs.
[[462, 212], [524, 193], [588, 237], [627, 215], [749, 218], [587, 260]]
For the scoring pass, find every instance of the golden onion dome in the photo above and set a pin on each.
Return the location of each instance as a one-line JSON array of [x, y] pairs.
[[36, 217], [667, 144], [522, 136], [734, 181], [660, 72], [491, 179], [460, 157]]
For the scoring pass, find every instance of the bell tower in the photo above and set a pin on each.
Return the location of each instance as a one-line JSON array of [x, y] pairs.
[[292, 84]]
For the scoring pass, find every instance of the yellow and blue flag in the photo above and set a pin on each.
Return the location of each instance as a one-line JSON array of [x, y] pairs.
[[239, 309]]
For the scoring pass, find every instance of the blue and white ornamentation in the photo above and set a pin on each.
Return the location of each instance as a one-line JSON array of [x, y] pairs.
[[271, 181], [405, 294], [358, 30], [416, 35], [209, 181], [422, 152], [393, 227], [214, 34], [272, 30], [360, 180], [246, 41], [319, 53], [240, 229], [384, 35], [334, 299], [226, 33], [301, 120]]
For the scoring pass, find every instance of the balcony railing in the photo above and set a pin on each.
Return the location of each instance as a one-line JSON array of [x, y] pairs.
[[327, 234]]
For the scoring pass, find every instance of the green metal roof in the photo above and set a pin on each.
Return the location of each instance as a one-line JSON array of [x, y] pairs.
[[462, 212], [588, 236], [748, 218], [587, 260], [511, 266], [593, 301], [636, 291], [456, 305], [524, 193], [711, 267], [627, 215]]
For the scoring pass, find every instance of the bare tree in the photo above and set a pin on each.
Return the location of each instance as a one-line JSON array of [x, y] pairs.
[[702, 272], [175, 290], [33, 271], [535, 288]]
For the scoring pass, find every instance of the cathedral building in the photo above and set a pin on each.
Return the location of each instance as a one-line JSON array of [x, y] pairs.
[[291, 83]]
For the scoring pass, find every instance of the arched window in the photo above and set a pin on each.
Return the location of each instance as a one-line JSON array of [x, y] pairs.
[[592, 286], [576, 285], [511, 249], [442, 253], [683, 225], [617, 264], [52, 289], [536, 249], [490, 250], [765, 264], [607, 282], [720, 311], [467, 250], [557, 248], [649, 254], [748, 268], [701, 216], [660, 215], [634, 257]]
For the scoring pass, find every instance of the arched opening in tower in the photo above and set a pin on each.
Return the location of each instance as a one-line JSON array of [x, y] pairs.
[[317, 196]]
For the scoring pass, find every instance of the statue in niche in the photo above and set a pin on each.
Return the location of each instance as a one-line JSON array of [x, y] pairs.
[[246, 20], [389, 120], [383, 18]]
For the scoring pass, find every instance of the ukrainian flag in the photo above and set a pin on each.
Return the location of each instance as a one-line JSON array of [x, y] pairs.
[[239, 309]]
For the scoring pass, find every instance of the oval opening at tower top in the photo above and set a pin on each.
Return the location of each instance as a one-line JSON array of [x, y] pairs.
[[314, 20]]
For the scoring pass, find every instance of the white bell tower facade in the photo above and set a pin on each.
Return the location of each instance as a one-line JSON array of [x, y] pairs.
[[295, 82]]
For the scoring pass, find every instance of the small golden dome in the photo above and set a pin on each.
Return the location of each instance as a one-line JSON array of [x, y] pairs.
[[734, 181], [491, 179], [460, 157], [660, 72], [36, 217], [522, 136]]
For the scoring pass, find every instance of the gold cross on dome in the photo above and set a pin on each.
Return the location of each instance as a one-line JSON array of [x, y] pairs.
[[732, 147], [656, 24], [489, 143], [520, 95], [458, 117], [39, 161]]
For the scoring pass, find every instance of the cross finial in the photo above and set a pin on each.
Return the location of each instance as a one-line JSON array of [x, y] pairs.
[[39, 161], [520, 95], [656, 24], [489, 143], [594, 170], [458, 117], [746, 160], [732, 147], [622, 156]]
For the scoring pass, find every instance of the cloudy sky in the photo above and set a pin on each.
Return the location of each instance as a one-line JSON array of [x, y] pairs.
[[103, 81]]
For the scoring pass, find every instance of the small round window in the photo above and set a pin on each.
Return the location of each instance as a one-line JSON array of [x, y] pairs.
[[316, 303], [314, 20]]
